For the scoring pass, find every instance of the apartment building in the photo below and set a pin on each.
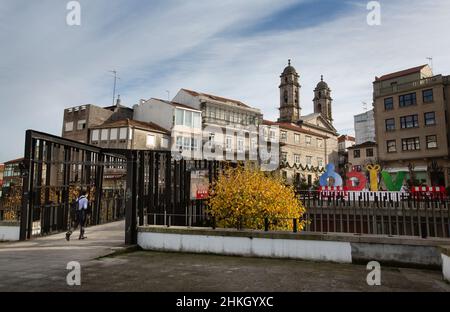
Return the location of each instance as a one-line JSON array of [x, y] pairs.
[[183, 124], [230, 127], [365, 127], [303, 153], [411, 123], [130, 134], [344, 143], [361, 155], [78, 120]]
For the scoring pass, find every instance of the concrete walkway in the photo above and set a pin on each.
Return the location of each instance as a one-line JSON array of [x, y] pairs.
[[30, 265], [40, 265]]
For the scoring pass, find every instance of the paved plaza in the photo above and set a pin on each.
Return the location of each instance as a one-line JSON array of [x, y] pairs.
[[40, 265]]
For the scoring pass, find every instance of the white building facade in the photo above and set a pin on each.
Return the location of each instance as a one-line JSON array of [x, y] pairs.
[[364, 127]]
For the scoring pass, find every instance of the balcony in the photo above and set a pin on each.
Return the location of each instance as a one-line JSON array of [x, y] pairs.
[[395, 88]]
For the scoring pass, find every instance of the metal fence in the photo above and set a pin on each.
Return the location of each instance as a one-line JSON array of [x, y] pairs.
[[55, 170], [357, 213]]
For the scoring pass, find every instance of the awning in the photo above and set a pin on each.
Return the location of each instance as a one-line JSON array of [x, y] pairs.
[[406, 169]]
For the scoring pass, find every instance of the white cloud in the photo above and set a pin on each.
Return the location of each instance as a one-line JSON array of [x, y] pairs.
[[47, 65]]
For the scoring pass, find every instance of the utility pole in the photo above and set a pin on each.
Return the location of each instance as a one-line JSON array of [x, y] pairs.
[[115, 85]]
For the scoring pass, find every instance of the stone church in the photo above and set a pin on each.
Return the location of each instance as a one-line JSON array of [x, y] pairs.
[[307, 142]]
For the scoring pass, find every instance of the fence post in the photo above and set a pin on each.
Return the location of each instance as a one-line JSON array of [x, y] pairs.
[[295, 225], [266, 224]]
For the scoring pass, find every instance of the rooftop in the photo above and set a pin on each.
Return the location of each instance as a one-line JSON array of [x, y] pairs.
[[216, 98], [343, 138], [132, 123], [365, 144], [293, 127], [400, 73], [176, 104]]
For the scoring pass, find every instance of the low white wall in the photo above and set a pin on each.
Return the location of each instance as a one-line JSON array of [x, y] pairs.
[[9, 233], [446, 267], [245, 246]]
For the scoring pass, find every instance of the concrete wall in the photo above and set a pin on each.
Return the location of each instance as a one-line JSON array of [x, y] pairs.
[[247, 246], [446, 267], [338, 247], [9, 231]]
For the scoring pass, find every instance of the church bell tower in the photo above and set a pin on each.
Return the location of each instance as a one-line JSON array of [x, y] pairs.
[[322, 100], [289, 95]]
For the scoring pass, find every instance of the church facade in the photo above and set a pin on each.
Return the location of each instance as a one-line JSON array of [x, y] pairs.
[[307, 142]]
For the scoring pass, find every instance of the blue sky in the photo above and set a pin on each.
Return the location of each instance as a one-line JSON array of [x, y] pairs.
[[232, 48]]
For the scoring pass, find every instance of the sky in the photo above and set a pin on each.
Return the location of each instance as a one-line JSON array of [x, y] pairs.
[[231, 48]]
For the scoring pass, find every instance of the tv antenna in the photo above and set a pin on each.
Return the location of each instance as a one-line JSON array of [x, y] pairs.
[[364, 106], [430, 62], [115, 85]]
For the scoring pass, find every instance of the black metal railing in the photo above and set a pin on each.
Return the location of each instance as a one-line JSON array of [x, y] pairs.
[[402, 215]]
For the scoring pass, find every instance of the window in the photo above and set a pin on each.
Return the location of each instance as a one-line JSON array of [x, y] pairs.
[[179, 117], [164, 143], [150, 140], [430, 119], [179, 143], [240, 145], [81, 124], [197, 121], [113, 134], [389, 103], [431, 141], [95, 134], [104, 135], [391, 146], [411, 144], [195, 144], [356, 153], [427, 96], [123, 133], [320, 162], [319, 143], [309, 160], [297, 138], [283, 135], [229, 143], [407, 99], [297, 159], [211, 139], [283, 156], [390, 124], [272, 135], [188, 119], [69, 126], [369, 152], [254, 144], [187, 144], [411, 121], [308, 140]]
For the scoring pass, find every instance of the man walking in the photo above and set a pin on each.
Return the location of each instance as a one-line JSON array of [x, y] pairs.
[[81, 210]]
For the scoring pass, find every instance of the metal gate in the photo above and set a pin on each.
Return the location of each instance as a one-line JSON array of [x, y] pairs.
[[144, 186], [54, 172], [159, 190]]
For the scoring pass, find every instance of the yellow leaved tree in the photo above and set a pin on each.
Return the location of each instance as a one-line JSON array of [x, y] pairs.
[[244, 197]]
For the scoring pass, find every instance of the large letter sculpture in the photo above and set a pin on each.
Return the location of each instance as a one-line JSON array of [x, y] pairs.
[[361, 181], [393, 186], [330, 173], [373, 173]]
